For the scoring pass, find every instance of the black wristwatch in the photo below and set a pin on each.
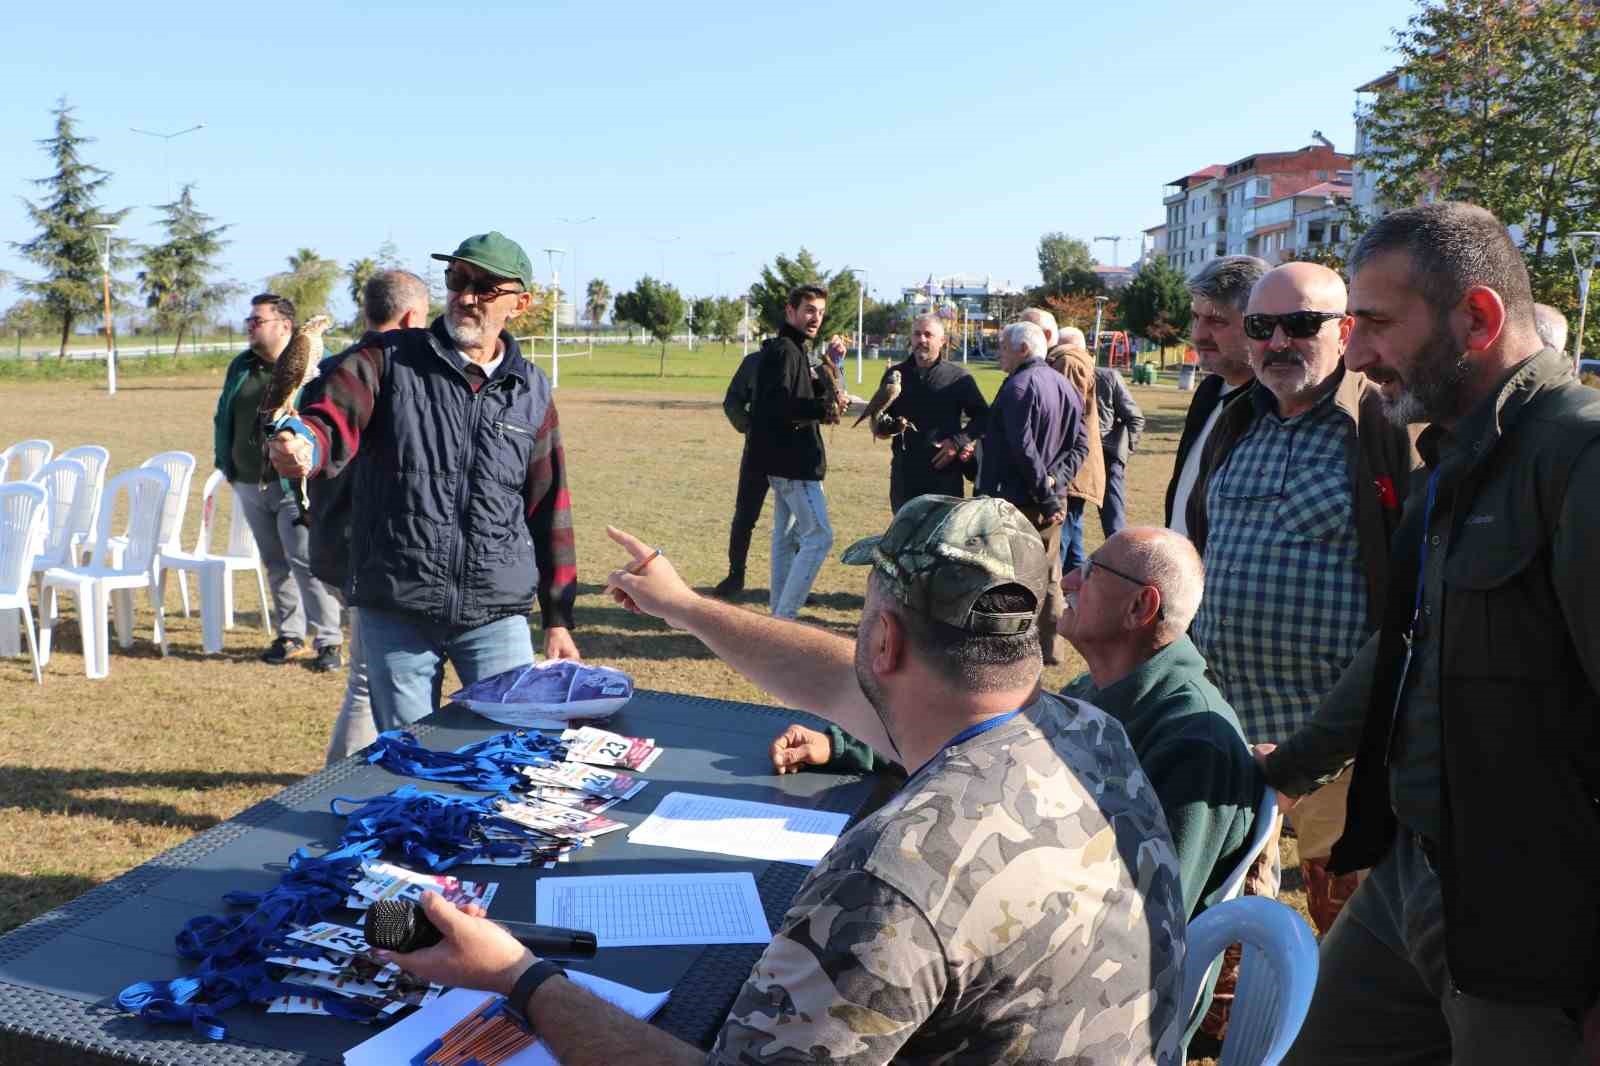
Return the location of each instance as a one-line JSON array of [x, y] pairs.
[[529, 983]]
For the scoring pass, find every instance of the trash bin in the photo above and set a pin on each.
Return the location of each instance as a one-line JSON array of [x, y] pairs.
[[1186, 376], [872, 353], [1144, 374]]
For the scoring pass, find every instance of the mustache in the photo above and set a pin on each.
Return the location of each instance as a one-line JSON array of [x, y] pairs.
[[1288, 357]]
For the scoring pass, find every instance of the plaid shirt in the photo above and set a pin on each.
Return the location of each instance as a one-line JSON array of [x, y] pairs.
[[1285, 604]]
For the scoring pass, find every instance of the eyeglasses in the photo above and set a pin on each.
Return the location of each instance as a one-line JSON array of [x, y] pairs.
[[1296, 324], [483, 288], [256, 320], [1091, 564]]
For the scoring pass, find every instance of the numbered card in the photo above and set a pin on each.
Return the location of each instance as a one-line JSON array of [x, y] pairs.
[[604, 748], [332, 937], [611, 784], [557, 820]]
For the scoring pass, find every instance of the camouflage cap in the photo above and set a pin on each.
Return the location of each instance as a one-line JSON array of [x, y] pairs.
[[940, 553]]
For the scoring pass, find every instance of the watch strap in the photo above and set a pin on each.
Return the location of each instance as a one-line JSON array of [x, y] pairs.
[[529, 983]]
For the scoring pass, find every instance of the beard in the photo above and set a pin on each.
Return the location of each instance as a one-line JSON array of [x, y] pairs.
[[466, 334], [1439, 370], [874, 694]]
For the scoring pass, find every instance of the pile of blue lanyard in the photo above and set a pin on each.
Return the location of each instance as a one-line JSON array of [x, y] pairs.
[[431, 829]]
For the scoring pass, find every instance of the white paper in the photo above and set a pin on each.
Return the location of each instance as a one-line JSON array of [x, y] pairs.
[[636, 910], [401, 1041], [739, 827]]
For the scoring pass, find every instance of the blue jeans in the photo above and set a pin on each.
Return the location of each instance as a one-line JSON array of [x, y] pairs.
[[1072, 554], [354, 728], [801, 539], [406, 654]]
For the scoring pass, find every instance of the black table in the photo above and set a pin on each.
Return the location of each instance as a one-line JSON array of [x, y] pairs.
[[61, 972]]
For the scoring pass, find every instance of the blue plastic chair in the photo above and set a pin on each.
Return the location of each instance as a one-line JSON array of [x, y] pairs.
[[1277, 975]]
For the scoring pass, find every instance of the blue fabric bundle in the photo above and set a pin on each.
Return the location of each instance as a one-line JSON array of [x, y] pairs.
[[491, 765]]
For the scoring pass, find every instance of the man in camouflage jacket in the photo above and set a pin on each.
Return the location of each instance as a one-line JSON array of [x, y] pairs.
[[1017, 901]]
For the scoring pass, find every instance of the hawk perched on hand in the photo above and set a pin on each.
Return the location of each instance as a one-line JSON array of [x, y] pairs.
[[887, 394], [296, 366]]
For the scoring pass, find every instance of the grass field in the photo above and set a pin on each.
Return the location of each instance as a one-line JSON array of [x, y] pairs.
[[96, 777]]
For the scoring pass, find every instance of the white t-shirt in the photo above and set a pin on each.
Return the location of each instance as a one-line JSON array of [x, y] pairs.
[[1191, 462]]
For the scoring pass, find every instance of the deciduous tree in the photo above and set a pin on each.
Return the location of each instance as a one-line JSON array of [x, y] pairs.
[[655, 307]]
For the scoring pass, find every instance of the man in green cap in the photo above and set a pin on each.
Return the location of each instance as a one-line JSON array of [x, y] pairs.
[[1017, 900], [461, 514]]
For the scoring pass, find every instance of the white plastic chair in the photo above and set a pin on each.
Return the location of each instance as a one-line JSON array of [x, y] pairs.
[[214, 570], [1277, 975], [95, 585], [62, 481], [95, 459], [1269, 820], [26, 457], [22, 527], [178, 468]]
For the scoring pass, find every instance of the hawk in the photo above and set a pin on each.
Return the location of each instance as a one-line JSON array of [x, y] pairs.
[[887, 394], [296, 366]]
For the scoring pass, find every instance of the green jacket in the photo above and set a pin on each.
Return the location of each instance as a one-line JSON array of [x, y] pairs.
[[222, 421], [1193, 751]]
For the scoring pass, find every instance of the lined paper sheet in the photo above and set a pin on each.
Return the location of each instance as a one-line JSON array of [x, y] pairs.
[[739, 827], [636, 910]]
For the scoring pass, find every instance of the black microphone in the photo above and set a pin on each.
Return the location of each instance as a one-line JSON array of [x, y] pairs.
[[401, 925]]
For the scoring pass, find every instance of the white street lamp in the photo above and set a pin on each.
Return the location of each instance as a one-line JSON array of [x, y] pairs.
[[166, 142], [1585, 276], [555, 317], [1099, 309], [106, 229], [861, 303]]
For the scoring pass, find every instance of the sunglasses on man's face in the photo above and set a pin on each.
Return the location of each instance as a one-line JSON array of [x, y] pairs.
[[1296, 324], [484, 288]]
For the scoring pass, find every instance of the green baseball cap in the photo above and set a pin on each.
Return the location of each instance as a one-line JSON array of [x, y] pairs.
[[941, 553], [496, 253]]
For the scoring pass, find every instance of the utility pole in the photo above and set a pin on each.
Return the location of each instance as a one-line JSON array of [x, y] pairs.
[[106, 229], [577, 277], [555, 317], [744, 300], [861, 301]]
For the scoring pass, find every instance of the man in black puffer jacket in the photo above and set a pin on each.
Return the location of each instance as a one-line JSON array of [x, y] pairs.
[[462, 514]]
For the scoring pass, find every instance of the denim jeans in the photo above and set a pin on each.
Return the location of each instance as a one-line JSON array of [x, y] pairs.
[[354, 729], [297, 596], [801, 539], [406, 654], [1072, 553]]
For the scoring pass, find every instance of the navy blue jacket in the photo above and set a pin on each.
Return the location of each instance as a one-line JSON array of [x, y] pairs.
[[1035, 432], [460, 495]]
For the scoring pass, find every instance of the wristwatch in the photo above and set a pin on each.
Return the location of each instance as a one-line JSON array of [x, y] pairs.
[[529, 983]]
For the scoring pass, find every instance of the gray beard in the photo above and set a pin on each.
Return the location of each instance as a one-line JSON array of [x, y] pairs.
[[468, 336], [1434, 391]]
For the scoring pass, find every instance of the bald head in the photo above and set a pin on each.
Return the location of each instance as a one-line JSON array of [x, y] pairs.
[[1303, 306], [1045, 321], [1551, 326], [1170, 562], [1142, 591]]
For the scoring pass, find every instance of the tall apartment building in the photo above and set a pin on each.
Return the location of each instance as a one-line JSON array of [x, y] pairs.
[[1253, 206]]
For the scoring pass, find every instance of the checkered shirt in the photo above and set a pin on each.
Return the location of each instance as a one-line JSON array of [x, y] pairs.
[[1285, 604]]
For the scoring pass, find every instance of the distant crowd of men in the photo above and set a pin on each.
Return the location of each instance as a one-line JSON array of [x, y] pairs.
[[1371, 595]]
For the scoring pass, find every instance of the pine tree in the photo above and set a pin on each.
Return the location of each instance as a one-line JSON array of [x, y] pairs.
[[177, 279], [1155, 305], [770, 296], [65, 247]]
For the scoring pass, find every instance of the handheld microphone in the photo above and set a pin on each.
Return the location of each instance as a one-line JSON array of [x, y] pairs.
[[401, 925]]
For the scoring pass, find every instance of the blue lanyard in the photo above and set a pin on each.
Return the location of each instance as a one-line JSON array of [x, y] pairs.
[[975, 730], [1422, 556]]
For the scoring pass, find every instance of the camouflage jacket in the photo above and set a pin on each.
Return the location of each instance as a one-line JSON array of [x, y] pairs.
[[1016, 902]]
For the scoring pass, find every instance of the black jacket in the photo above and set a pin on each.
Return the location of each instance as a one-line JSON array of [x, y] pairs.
[[942, 401], [1519, 690], [784, 438], [741, 391], [1206, 397]]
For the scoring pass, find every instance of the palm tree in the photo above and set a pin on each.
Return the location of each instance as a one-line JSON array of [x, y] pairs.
[[360, 271], [599, 296]]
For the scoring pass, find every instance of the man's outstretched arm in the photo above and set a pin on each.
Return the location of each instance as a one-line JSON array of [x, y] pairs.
[[804, 667]]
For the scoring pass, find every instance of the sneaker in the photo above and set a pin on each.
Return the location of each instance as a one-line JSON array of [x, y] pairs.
[[327, 660], [729, 587], [283, 650]]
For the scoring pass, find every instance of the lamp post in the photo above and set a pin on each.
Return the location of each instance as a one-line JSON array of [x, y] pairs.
[[1585, 276], [577, 276], [555, 317], [166, 141], [861, 305], [661, 249], [1099, 309], [105, 230]]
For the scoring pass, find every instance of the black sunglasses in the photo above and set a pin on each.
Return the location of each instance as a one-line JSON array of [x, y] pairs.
[[1296, 324], [483, 288]]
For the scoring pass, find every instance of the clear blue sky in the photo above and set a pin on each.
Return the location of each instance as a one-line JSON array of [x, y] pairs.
[[907, 139]]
